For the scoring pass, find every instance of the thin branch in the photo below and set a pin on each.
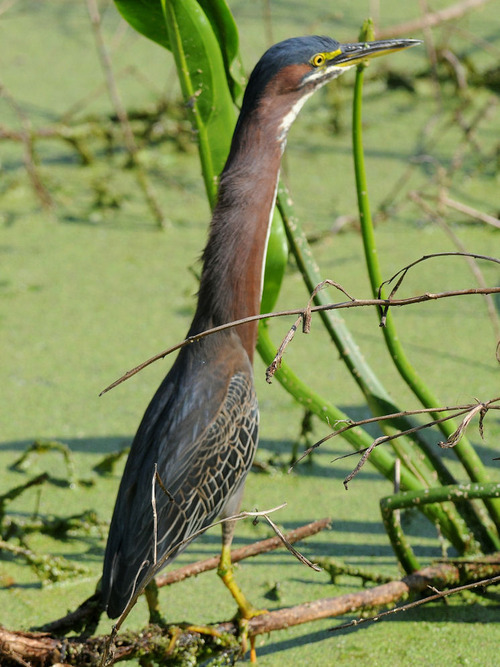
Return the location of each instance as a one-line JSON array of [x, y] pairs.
[[354, 303], [417, 603], [476, 271], [29, 151], [121, 112], [290, 548], [473, 213], [451, 441], [432, 19], [469, 410], [263, 546], [401, 274]]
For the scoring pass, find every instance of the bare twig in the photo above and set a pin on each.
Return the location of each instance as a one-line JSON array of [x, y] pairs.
[[305, 318], [471, 212], [417, 603], [263, 546], [453, 440], [276, 362], [353, 303], [29, 152], [121, 112], [480, 409], [290, 548], [476, 271], [469, 411], [431, 19], [401, 274]]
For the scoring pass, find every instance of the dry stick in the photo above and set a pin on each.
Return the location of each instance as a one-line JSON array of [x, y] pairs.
[[432, 19], [431, 598], [418, 582], [403, 272], [476, 271], [263, 546], [29, 152], [355, 303], [458, 410], [305, 317], [451, 441], [473, 213], [469, 411], [300, 557], [95, 19]]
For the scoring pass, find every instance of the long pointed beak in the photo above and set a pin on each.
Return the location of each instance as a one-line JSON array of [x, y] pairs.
[[352, 54]]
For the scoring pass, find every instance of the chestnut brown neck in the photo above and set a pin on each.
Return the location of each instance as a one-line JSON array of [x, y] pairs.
[[233, 260]]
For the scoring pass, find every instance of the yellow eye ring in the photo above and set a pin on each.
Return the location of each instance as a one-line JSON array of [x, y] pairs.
[[318, 60]]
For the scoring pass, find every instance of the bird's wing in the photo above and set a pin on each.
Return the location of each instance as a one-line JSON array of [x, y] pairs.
[[200, 430]]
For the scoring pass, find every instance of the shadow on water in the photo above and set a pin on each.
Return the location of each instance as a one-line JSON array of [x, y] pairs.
[[91, 445]]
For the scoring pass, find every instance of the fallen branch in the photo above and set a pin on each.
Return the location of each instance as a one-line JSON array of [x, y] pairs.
[[163, 645], [264, 546]]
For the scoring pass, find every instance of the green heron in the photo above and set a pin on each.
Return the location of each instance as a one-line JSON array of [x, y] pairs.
[[200, 429]]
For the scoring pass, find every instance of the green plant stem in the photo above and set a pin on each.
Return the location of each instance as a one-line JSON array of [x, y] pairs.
[[451, 525], [425, 465], [418, 499], [464, 451], [378, 399]]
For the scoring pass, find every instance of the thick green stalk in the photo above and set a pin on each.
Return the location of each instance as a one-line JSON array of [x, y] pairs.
[[464, 451], [424, 464], [418, 499], [379, 400], [451, 525]]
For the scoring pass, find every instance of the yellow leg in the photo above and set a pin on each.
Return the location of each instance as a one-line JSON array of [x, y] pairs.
[[225, 572], [246, 610], [151, 593]]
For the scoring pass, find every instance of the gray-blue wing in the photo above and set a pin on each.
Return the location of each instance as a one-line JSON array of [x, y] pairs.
[[201, 430]]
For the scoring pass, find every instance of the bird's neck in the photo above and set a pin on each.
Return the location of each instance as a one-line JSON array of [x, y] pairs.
[[233, 260]]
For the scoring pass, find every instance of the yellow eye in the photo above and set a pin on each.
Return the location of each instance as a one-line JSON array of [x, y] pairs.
[[318, 60]]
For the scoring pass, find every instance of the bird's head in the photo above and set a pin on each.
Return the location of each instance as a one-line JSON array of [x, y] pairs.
[[290, 71]]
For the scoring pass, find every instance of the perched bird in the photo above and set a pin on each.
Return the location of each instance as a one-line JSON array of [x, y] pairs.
[[200, 430]]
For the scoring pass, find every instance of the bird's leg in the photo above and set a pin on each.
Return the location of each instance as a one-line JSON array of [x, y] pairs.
[[151, 593], [225, 571]]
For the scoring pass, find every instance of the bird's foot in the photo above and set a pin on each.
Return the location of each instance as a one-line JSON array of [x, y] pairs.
[[246, 639]]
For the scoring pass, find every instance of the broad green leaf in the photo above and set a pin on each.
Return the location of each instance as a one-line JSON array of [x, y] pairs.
[[201, 72], [226, 31], [203, 38], [145, 16]]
